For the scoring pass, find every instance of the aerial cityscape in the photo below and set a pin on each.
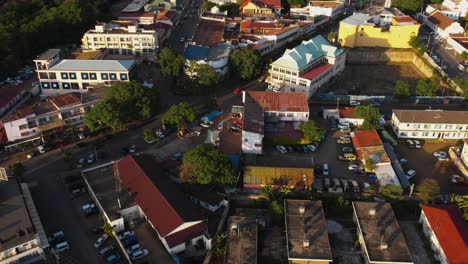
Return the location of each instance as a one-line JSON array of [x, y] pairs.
[[234, 131]]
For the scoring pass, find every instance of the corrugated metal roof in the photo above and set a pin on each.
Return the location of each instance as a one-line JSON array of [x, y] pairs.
[[280, 102], [432, 116], [256, 175], [94, 65]]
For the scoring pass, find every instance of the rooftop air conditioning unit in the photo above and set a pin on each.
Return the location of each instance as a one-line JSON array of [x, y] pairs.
[[372, 211], [301, 209], [305, 243]]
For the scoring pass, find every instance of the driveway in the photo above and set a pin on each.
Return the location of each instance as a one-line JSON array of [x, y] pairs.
[[416, 243]]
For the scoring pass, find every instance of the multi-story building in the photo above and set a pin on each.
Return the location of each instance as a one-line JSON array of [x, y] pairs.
[[387, 30], [454, 9], [22, 236], [268, 107], [217, 57], [443, 25], [321, 8], [307, 67], [121, 37], [447, 232], [379, 234], [57, 76], [306, 232], [261, 7], [430, 124], [44, 117]]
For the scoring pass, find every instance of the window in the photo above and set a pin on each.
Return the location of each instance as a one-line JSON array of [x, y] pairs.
[[64, 75], [45, 85], [52, 75], [24, 134], [293, 90], [123, 76], [246, 140], [55, 85], [290, 114], [74, 86], [43, 75], [66, 85], [427, 126], [281, 115], [22, 127], [72, 75], [415, 126], [92, 76], [438, 126], [113, 76], [84, 76], [448, 126], [104, 76]]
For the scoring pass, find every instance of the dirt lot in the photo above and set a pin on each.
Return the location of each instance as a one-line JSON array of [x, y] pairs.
[[374, 79]]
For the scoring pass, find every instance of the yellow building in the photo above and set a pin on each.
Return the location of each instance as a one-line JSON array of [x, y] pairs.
[[261, 7], [363, 30]]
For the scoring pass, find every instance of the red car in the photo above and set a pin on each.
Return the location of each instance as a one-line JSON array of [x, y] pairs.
[[238, 90]]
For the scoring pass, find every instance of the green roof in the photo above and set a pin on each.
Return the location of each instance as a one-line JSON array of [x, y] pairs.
[[306, 52]]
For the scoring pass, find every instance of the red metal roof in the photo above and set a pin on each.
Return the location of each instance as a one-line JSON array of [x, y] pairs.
[[166, 15], [447, 223], [148, 197], [65, 99], [439, 19], [262, 3], [365, 138], [405, 19], [281, 102], [348, 112], [186, 234], [315, 72]]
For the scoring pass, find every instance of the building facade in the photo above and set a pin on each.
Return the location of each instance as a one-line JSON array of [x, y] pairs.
[[216, 57], [443, 25], [307, 67], [386, 31], [58, 76], [261, 7], [326, 8], [121, 37], [434, 124]]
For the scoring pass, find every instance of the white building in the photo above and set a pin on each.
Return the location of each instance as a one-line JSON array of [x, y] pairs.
[[269, 107], [37, 121], [121, 37], [217, 57], [443, 25], [321, 8], [458, 42], [454, 9], [307, 67], [58, 76], [21, 233], [430, 124], [464, 153], [446, 231]]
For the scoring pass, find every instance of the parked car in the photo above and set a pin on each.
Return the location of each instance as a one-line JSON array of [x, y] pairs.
[[410, 174], [347, 150], [344, 137], [237, 90], [346, 130], [352, 167], [297, 148], [159, 133], [130, 241], [89, 209], [326, 182], [289, 148], [354, 185], [282, 149], [410, 143], [78, 191], [403, 161], [220, 126], [354, 103], [336, 183], [206, 124], [101, 240], [182, 40], [235, 128], [113, 258], [343, 125], [347, 157], [312, 147], [133, 248], [106, 250], [41, 149], [343, 141], [125, 235], [132, 149], [56, 236], [458, 180], [375, 104], [325, 171], [177, 156], [417, 144], [139, 254], [60, 247], [460, 67], [91, 158], [440, 154]]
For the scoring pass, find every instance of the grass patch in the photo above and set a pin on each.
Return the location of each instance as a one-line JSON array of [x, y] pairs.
[[286, 141]]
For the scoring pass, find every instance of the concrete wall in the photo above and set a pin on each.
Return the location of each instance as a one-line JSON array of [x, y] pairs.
[[388, 56]]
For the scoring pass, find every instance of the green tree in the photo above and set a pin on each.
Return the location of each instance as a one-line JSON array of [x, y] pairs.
[[437, 2], [462, 202], [427, 87], [402, 89], [123, 102], [202, 75], [180, 114], [219, 244], [311, 130], [369, 165], [267, 190], [417, 45], [148, 135], [331, 37], [246, 63], [409, 6], [205, 164], [171, 62], [464, 55], [296, 2], [370, 114], [276, 211], [207, 5], [428, 190], [392, 191]]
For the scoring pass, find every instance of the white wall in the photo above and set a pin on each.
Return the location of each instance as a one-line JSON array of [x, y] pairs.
[[464, 154], [456, 46], [249, 140], [14, 133], [354, 121], [435, 245], [118, 225]]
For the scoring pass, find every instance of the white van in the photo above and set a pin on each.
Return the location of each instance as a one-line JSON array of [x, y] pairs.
[[461, 67], [61, 247]]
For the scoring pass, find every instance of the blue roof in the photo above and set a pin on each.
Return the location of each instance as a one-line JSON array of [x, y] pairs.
[[235, 161], [210, 116], [193, 52]]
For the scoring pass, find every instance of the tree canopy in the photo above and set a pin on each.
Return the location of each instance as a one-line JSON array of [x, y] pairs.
[[427, 87], [417, 45], [428, 190], [172, 63], [409, 6], [246, 63], [392, 191], [402, 89], [148, 135], [312, 130], [122, 103], [205, 164], [464, 54], [371, 116], [202, 75], [28, 28], [180, 114], [276, 211]]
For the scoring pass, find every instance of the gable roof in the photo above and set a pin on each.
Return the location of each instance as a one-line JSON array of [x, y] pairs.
[[306, 52], [365, 138], [156, 194], [280, 102], [431, 116], [439, 19], [447, 223], [348, 112], [263, 3]]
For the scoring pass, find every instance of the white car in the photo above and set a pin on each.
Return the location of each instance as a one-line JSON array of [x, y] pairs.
[[220, 126], [56, 236], [282, 149], [352, 167], [182, 40], [133, 248], [343, 125], [139, 254], [90, 158], [159, 133], [417, 143], [206, 124], [435, 58], [312, 147], [403, 161], [346, 130], [101, 240], [132, 149], [125, 235], [440, 154], [410, 174], [443, 67], [354, 103], [344, 137]]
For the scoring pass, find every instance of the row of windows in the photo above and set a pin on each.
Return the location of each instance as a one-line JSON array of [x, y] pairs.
[[434, 134], [84, 76], [430, 126], [56, 85]]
